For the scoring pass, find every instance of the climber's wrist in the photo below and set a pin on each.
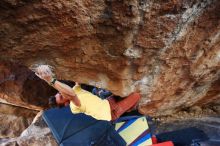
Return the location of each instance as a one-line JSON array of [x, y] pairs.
[[52, 81]]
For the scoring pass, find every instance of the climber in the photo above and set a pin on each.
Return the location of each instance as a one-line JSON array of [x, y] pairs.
[[82, 101], [102, 93]]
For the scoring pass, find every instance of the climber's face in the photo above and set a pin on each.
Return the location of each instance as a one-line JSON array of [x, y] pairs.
[[60, 100]]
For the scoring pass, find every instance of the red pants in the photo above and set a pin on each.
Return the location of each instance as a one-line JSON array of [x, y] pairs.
[[118, 107]]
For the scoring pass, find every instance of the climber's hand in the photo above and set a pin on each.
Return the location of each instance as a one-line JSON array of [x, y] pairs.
[[44, 72]]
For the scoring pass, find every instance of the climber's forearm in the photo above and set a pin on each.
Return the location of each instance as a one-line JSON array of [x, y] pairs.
[[74, 99], [44, 72], [63, 88]]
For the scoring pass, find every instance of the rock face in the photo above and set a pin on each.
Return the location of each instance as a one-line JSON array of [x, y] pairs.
[[37, 134], [167, 50], [14, 120], [20, 86]]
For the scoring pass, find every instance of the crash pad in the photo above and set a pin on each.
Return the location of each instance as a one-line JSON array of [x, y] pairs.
[[80, 129], [134, 130]]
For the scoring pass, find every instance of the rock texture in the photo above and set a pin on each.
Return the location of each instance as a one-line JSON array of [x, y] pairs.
[[19, 86], [14, 120], [37, 134], [167, 50]]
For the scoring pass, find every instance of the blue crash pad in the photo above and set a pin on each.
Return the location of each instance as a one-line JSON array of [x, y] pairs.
[[79, 129]]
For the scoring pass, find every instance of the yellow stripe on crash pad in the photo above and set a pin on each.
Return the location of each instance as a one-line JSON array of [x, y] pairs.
[[118, 125], [134, 130]]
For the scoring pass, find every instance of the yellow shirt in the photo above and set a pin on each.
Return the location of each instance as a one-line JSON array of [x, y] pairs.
[[91, 105]]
